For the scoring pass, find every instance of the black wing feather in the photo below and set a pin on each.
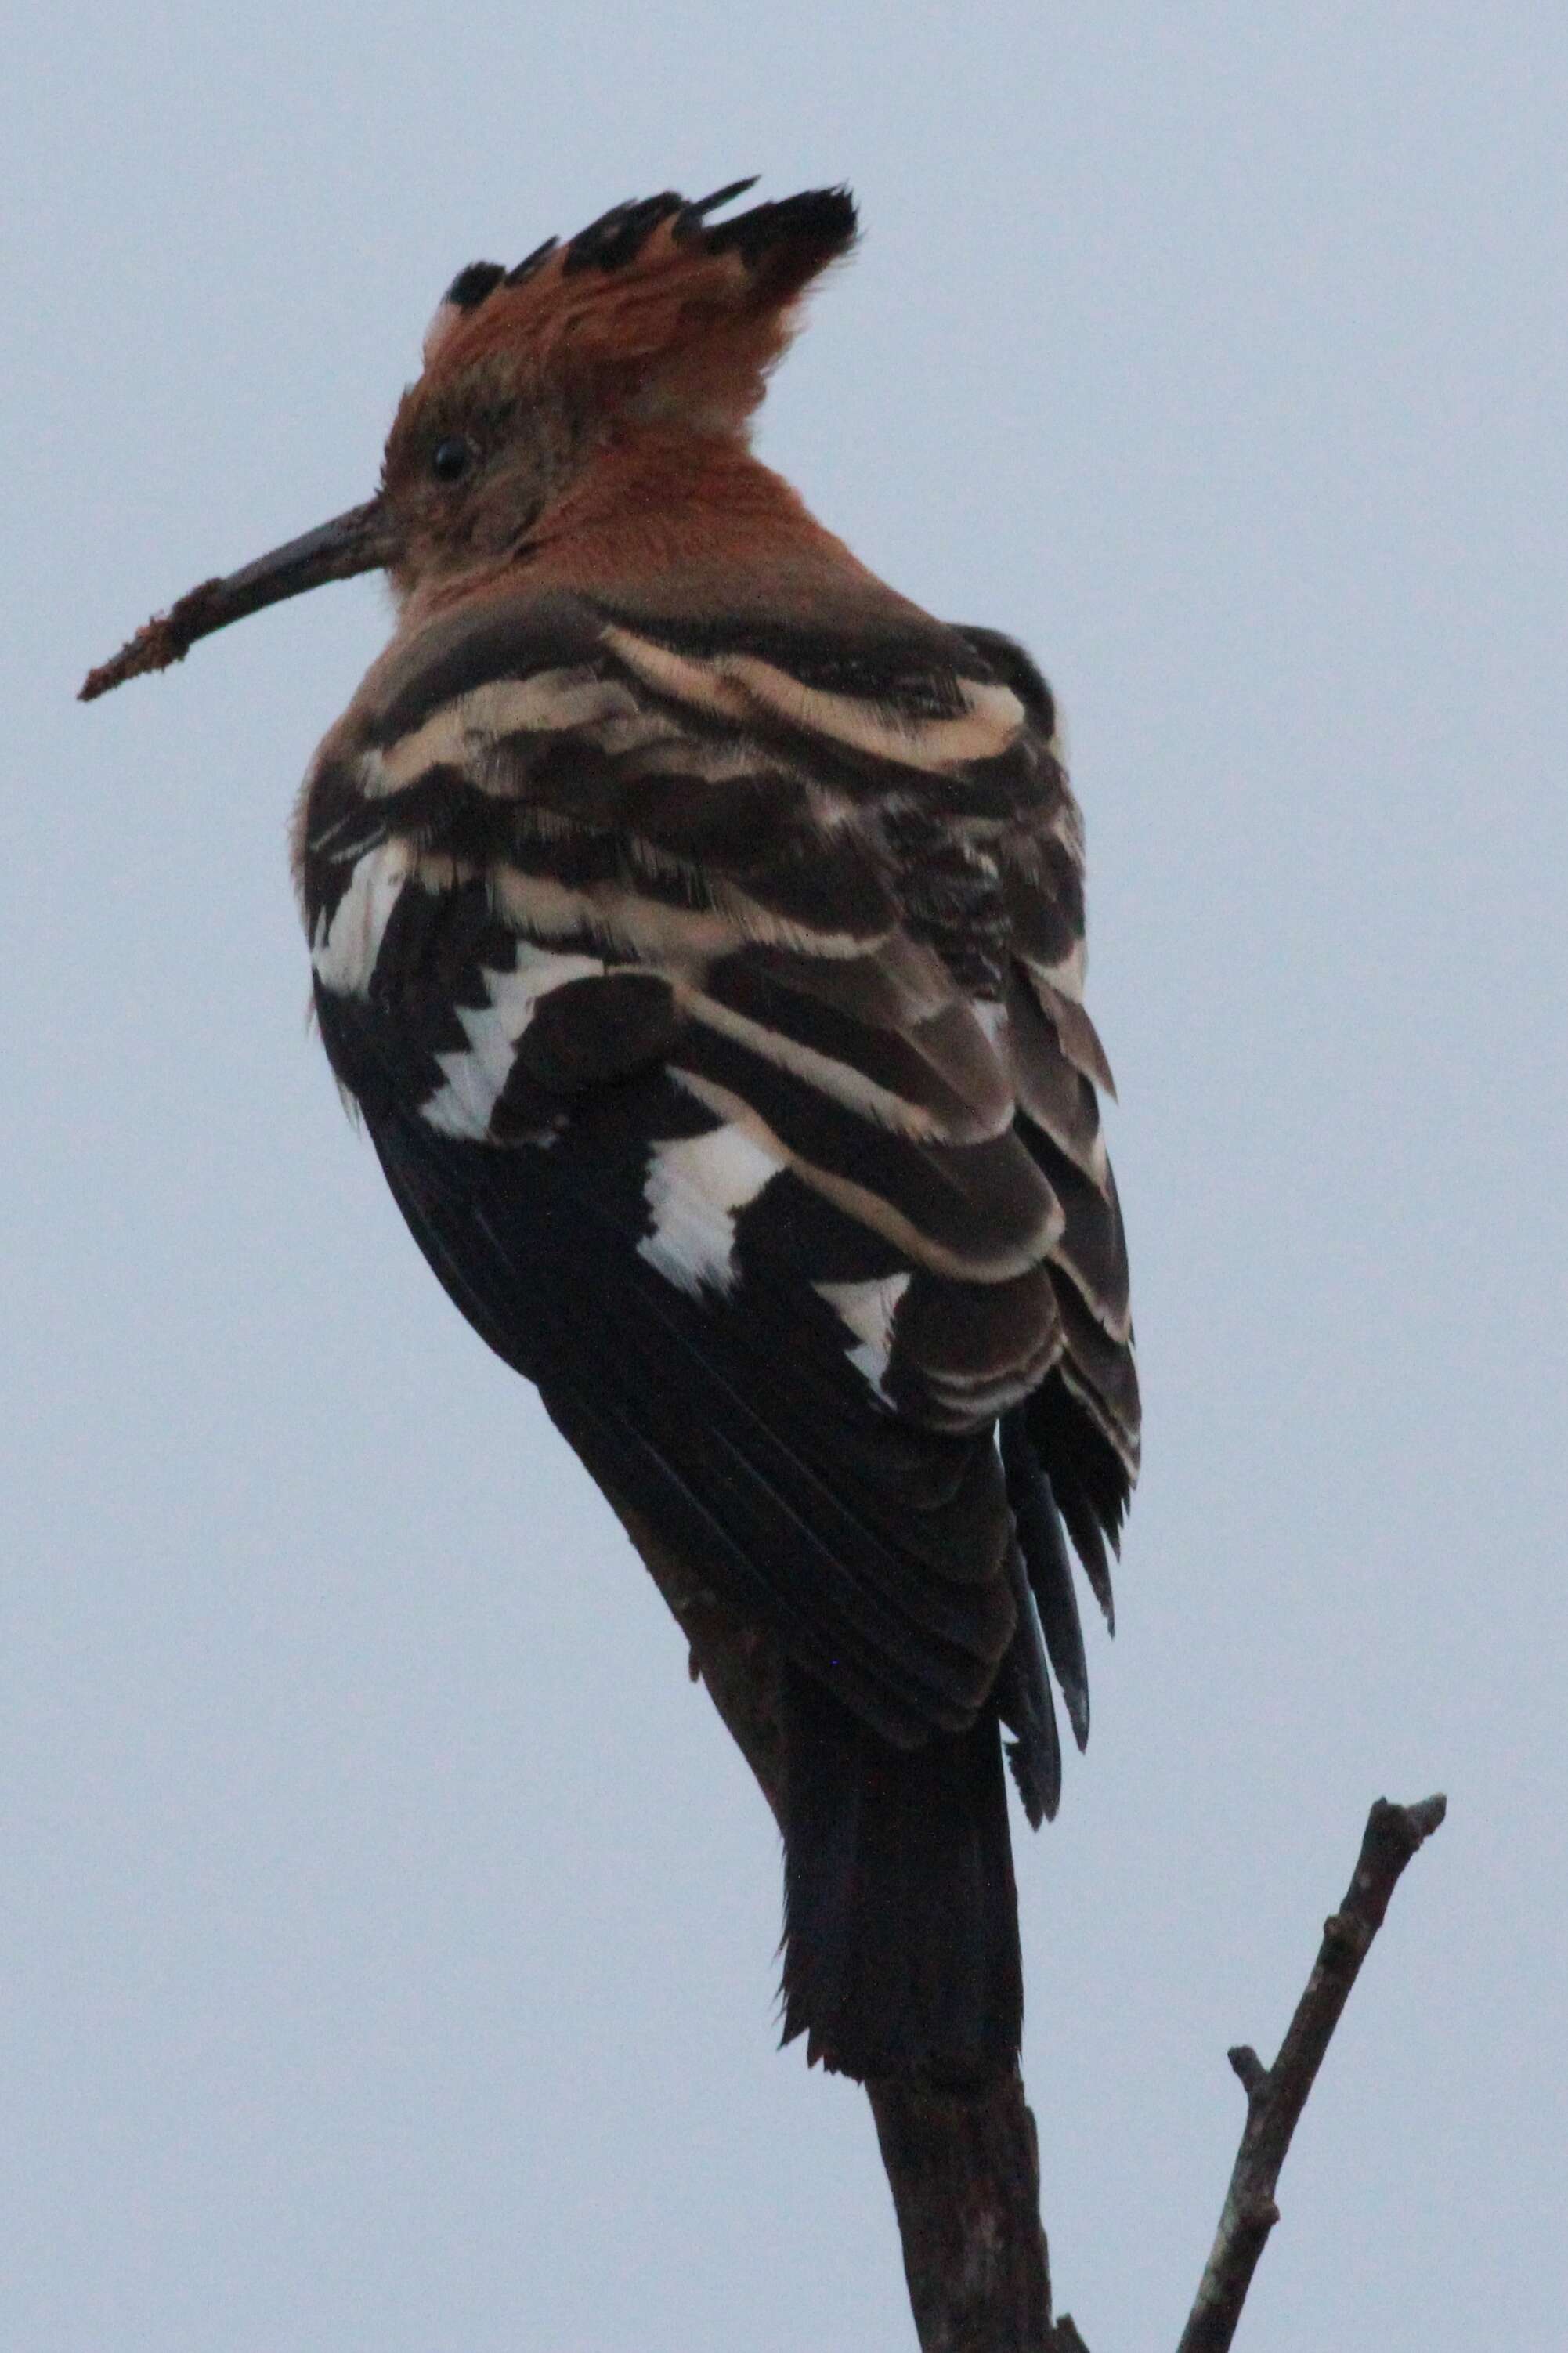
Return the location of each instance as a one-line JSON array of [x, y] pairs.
[[797, 923], [713, 1438]]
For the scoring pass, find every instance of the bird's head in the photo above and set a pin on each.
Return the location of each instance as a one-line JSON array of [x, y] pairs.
[[647, 338]]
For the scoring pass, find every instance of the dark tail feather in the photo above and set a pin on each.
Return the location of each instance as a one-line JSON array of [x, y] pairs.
[[900, 1912], [1045, 1551], [1023, 1693]]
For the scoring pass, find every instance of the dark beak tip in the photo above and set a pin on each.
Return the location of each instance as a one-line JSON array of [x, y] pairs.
[[358, 541], [156, 644]]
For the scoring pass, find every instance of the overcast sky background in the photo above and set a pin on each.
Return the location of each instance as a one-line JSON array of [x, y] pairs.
[[386, 1929]]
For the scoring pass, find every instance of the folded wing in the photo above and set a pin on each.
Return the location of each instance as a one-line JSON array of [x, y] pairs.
[[714, 1001]]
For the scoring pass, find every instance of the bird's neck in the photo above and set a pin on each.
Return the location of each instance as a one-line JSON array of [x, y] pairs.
[[665, 519]]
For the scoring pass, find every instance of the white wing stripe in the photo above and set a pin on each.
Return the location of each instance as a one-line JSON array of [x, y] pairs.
[[693, 1188], [474, 1078], [344, 947], [867, 1310]]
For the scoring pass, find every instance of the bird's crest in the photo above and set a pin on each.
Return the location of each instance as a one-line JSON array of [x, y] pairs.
[[654, 305]]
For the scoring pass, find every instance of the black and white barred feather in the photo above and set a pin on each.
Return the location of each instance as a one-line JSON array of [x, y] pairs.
[[713, 995]]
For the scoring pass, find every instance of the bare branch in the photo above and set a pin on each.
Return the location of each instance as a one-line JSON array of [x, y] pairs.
[[965, 2177], [1276, 2095], [963, 2168]]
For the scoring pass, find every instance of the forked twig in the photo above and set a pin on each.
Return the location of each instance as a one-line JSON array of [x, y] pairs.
[[1276, 2095], [963, 2169]]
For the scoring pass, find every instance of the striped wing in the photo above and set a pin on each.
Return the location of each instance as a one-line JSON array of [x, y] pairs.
[[713, 1002]]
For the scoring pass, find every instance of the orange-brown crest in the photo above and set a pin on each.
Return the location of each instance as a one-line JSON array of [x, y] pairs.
[[581, 418], [653, 309]]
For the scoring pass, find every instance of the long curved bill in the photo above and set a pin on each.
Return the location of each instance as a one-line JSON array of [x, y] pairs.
[[358, 541]]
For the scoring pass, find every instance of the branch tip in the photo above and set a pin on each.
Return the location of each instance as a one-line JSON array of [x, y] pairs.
[[1276, 2095], [1428, 1814], [1249, 2068]]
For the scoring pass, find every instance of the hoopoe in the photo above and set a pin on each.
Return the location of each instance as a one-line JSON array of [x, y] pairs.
[[697, 925]]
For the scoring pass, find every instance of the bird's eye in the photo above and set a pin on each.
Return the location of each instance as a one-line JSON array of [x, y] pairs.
[[450, 460]]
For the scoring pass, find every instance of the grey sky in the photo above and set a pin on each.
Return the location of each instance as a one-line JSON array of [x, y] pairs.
[[386, 1929]]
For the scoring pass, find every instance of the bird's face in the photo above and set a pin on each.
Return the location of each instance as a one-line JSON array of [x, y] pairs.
[[654, 321], [474, 460], [477, 454]]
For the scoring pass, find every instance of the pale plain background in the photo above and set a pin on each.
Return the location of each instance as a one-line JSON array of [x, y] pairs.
[[388, 1927]]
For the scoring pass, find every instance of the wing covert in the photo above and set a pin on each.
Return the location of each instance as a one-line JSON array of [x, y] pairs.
[[705, 997]]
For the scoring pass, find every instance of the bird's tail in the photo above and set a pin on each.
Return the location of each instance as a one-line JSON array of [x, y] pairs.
[[900, 1910]]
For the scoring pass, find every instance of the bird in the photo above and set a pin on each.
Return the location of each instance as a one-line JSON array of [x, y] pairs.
[[696, 925]]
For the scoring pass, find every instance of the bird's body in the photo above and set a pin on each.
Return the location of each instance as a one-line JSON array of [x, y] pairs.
[[697, 925]]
